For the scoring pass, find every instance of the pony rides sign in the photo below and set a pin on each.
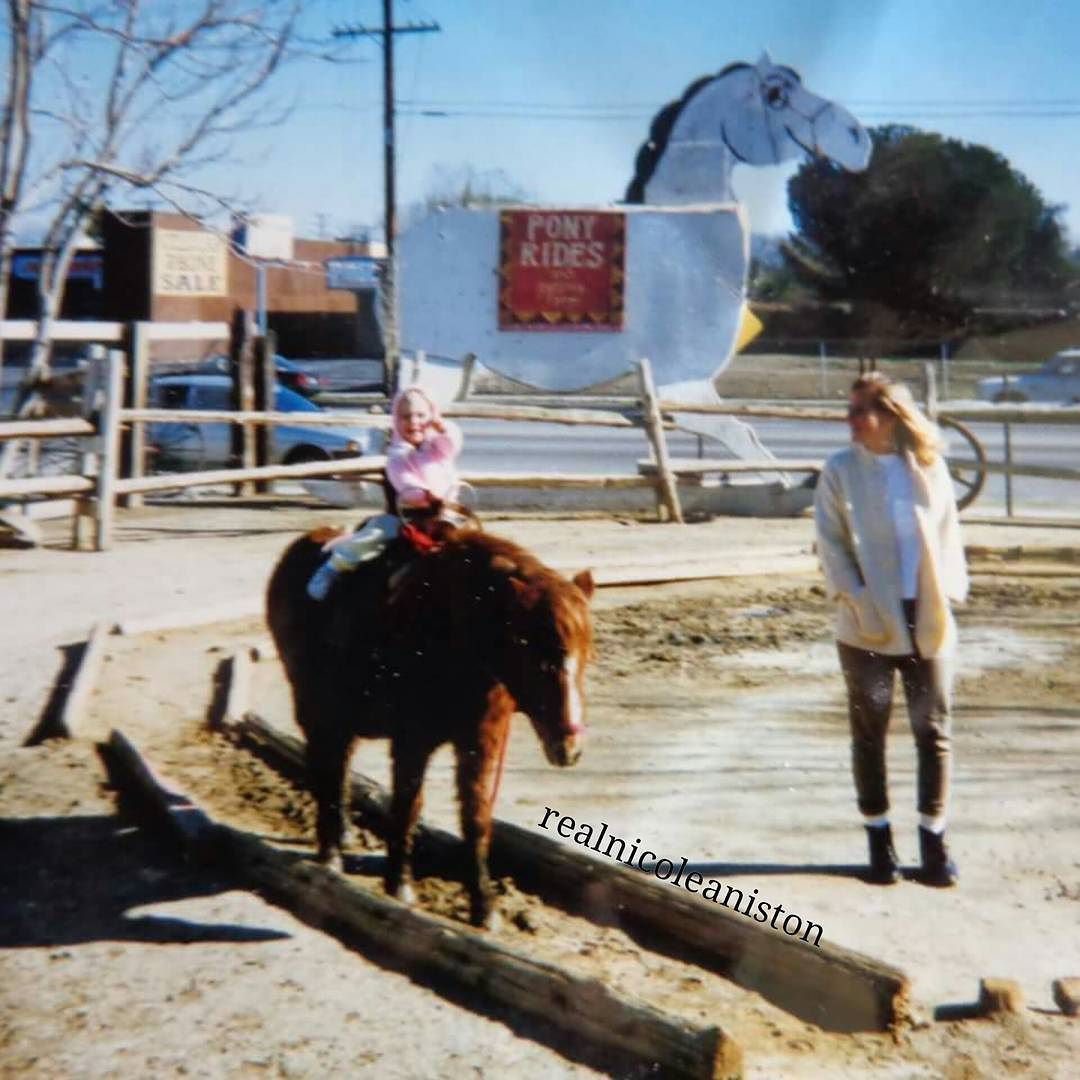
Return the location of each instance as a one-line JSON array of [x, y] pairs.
[[484, 280], [561, 270]]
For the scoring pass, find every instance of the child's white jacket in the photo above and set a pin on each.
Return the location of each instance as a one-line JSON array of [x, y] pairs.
[[856, 544]]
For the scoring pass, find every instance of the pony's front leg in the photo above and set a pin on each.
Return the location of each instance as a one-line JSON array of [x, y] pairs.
[[476, 765], [410, 764]]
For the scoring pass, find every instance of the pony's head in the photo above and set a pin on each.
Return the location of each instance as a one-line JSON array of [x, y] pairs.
[[537, 636]]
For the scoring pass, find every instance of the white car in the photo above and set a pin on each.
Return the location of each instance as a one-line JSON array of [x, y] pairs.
[[1058, 380], [183, 446]]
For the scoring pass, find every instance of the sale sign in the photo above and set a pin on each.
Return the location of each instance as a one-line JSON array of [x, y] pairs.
[[561, 270]]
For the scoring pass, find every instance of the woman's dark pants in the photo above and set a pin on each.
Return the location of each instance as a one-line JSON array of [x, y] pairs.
[[871, 679]]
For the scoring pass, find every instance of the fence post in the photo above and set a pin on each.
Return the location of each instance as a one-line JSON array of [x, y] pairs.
[[821, 359], [468, 370], [667, 494], [109, 458], [134, 463], [265, 385], [930, 400], [241, 368], [92, 393], [1008, 470], [945, 370]]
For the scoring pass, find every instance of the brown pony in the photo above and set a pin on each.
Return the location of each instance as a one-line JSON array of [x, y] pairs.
[[445, 650]]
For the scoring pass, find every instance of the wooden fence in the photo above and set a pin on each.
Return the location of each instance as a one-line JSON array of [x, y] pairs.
[[113, 468]]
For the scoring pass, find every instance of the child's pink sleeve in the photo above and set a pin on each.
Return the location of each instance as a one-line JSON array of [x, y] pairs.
[[445, 446]]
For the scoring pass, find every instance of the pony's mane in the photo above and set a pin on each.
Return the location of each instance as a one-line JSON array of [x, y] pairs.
[[652, 150], [569, 613]]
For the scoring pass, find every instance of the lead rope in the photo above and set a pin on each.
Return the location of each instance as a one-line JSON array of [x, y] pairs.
[[499, 768]]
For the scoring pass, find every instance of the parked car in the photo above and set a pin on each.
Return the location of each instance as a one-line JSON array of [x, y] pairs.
[[289, 374], [184, 446], [1057, 380]]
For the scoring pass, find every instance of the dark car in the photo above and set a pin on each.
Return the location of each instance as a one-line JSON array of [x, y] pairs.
[[289, 374]]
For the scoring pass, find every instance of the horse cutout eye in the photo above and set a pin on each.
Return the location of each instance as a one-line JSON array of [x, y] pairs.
[[776, 96]]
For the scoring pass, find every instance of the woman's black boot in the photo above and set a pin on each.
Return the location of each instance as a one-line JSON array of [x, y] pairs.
[[937, 868], [884, 865]]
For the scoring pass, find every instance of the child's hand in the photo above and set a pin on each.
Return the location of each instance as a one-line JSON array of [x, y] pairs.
[[438, 425]]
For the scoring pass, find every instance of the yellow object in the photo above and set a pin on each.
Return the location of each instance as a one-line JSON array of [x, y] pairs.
[[749, 328]]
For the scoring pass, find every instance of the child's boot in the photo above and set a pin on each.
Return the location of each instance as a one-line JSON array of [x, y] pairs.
[[321, 580]]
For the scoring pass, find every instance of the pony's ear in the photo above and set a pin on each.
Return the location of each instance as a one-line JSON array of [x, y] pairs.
[[584, 581], [527, 592]]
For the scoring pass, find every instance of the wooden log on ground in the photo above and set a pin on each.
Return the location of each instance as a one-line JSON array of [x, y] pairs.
[[73, 713], [248, 608], [582, 1007], [836, 988], [1000, 996], [238, 696], [264, 649], [1067, 995]]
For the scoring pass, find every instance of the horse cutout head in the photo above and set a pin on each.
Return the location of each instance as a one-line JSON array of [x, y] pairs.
[[760, 114], [470, 634]]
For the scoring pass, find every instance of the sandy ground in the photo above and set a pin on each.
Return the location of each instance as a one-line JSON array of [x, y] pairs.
[[717, 733]]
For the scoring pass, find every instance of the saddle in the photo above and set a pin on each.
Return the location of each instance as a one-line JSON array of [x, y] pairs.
[[363, 592]]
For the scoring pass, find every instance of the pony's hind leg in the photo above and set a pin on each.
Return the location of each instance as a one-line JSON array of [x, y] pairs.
[[410, 764]]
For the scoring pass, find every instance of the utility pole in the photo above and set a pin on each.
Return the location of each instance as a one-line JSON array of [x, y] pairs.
[[387, 31]]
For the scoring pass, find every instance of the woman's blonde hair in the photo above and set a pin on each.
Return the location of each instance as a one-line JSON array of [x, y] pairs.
[[914, 431]]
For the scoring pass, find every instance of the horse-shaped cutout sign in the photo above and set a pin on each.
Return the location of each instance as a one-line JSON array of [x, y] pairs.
[[686, 245], [468, 635]]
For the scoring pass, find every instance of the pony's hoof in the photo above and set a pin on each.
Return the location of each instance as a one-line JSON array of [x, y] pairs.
[[332, 860], [489, 920], [402, 891]]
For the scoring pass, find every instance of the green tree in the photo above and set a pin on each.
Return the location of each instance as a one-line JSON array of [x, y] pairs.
[[932, 230]]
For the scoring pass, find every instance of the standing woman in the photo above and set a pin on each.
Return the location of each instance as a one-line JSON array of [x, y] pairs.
[[888, 537]]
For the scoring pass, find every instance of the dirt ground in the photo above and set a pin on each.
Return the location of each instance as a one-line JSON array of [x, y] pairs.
[[717, 732]]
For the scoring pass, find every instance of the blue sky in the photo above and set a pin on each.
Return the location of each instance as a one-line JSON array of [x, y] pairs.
[[997, 72]]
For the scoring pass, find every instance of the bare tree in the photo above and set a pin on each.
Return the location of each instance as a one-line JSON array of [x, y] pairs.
[[110, 98], [469, 187]]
